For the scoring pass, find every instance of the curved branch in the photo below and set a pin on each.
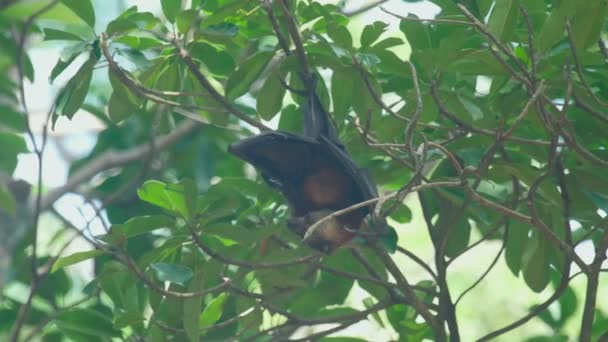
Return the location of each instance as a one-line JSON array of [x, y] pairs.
[[363, 9], [204, 82], [563, 285], [246, 264], [112, 158]]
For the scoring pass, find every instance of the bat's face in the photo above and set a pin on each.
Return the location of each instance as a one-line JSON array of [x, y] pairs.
[[326, 236]]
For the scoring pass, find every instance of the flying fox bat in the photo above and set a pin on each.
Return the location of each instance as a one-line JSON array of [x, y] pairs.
[[315, 173]]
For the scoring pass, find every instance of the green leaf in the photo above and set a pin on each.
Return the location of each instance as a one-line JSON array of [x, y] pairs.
[[372, 32], [139, 225], [123, 319], [185, 20], [228, 30], [555, 25], [119, 109], [402, 213], [219, 62], [82, 8], [516, 243], [130, 20], [136, 42], [536, 268], [504, 18], [123, 102], [52, 34], [213, 312], [568, 304], [153, 192], [387, 43], [12, 119], [458, 238], [75, 258], [341, 36], [86, 322], [183, 197], [73, 94], [171, 8], [390, 239], [61, 66], [122, 23], [367, 59], [193, 307], [369, 303], [588, 22], [12, 145], [342, 89], [479, 62], [173, 273], [7, 202], [417, 33], [600, 200], [248, 72], [373, 289], [270, 97], [73, 49], [362, 100]]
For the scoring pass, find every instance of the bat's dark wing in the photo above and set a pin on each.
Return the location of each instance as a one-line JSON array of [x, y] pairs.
[[317, 122], [279, 155], [313, 175], [283, 159], [360, 176], [319, 127]]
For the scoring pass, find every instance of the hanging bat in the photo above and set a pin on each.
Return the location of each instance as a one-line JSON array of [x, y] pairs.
[[315, 173]]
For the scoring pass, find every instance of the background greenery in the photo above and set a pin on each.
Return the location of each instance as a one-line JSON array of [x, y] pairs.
[[493, 136]]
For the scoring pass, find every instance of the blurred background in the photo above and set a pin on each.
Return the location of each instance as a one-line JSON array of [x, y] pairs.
[[505, 298]]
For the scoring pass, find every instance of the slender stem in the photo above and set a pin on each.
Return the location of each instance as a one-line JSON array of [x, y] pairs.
[[294, 31], [364, 8], [593, 278], [589, 307], [563, 285]]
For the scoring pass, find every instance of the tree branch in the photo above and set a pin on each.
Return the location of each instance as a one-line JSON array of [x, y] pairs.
[[112, 158], [204, 82]]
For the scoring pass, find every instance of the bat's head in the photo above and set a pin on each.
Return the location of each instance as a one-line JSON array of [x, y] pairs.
[[323, 233]]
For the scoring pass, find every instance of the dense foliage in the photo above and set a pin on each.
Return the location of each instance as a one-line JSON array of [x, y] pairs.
[[493, 126]]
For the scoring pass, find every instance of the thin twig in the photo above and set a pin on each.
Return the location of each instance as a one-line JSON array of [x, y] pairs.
[[204, 82], [40, 326], [486, 272], [153, 95], [579, 67], [247, 264], [563, 285], [531, 45], [39, 151], [363, 8], [283, 41], [586, 107], [294, 31], [436, 21], [486, 32], [111, 159], [382, 198], [419, 261]]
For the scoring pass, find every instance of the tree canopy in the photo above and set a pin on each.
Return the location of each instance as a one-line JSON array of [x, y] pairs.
[[483, 127]]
